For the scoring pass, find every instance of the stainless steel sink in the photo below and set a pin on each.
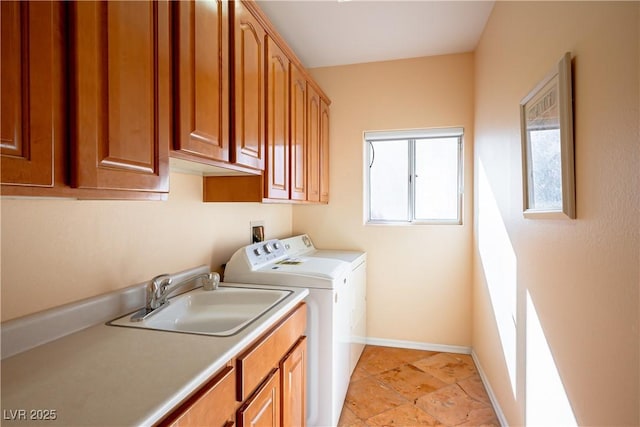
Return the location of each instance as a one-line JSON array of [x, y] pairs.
[[222, 312]]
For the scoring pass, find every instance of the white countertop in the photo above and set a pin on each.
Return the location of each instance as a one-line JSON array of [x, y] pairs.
[[116, 376]]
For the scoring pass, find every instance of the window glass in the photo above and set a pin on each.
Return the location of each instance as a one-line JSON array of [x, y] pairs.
[[436, 179], [414, 176], [389, 186]]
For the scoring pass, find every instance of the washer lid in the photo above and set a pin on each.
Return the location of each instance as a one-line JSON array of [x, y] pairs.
[[267, 263], [302, 245], [283, 279], [308, 266]]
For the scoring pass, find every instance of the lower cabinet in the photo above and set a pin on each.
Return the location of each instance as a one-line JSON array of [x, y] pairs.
[[263, 408], [293, 374], [264, 385], [213, 405]]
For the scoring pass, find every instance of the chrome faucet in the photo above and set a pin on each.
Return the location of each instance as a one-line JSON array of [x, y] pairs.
[[161, 286]]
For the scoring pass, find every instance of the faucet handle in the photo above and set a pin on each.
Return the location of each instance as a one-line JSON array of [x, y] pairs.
[[211, 282], [161, 281], [156, 294]]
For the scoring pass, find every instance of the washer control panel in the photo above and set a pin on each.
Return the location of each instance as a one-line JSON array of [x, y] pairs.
[[265, 252], [298, 245]]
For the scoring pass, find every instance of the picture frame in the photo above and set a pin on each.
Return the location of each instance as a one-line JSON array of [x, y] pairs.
[[546, 122]]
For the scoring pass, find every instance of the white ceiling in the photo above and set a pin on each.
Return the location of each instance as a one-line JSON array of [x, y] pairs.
[[330, 32]]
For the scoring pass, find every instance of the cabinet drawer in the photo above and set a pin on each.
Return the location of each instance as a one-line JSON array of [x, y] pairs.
[[213, 405], [255, 364]]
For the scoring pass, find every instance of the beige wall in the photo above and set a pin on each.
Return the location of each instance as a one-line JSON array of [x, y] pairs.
[[59, 251], [418, 276], [579, 280]]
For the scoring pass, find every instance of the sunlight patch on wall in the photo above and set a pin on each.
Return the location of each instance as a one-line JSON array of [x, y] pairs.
[[547, 403], [500, 267]]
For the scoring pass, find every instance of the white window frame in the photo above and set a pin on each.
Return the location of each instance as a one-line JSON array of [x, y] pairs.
[[412, 136]]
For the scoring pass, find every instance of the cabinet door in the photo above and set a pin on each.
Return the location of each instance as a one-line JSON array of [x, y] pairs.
[[324, 152], [277, 168], [293, 371], [313, 145], [298, 135], [263, 408], [202, 81], [213, 405], [30, 82], [260, 358], [249, 89], [120, 93]]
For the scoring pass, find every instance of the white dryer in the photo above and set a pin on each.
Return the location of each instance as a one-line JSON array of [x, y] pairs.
[[302, 245], [328, 314]]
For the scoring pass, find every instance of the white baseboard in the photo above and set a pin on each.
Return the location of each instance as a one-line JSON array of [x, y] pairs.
[[418, 345], [487, 386], [448, 349]]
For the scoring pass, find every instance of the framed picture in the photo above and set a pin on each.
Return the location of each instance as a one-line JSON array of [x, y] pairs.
[[546, 121]]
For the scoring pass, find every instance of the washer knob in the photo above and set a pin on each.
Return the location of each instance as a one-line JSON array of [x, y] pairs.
[[276, 245], [267, 248], [257, 251]]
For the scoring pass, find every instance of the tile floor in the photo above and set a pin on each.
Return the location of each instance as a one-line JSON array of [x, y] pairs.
[[403, 387]]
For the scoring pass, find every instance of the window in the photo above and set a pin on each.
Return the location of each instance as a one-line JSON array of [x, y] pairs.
[[414, 176]]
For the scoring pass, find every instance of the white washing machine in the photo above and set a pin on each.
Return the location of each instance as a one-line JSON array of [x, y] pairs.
[[328, 316], [302, 245]]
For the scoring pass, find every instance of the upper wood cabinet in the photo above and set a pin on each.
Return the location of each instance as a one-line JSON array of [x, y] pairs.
[[324, 151], [313, 145], [298, 138], [31, 87], [277, 181], [201, 59], [120, 95], [308, 160], [248, 130], [96, 95], [317, 146]]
